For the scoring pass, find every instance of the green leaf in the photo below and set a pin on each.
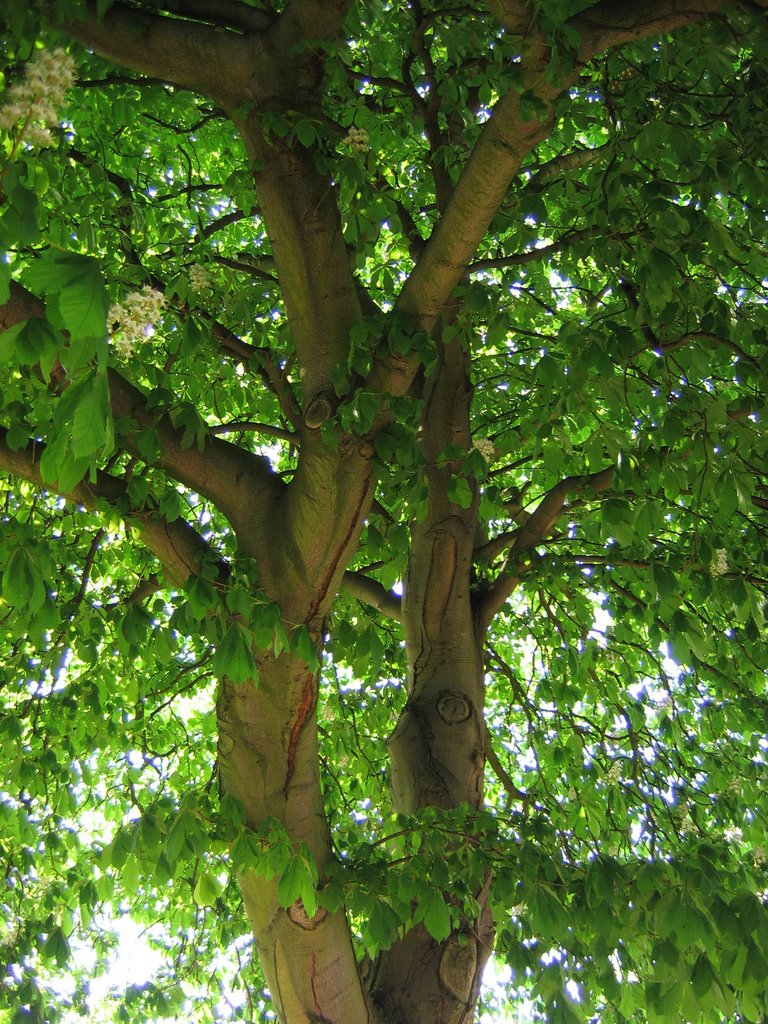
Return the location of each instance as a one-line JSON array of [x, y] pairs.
[[459, 491], [234, 657], [23, 583], [702, 976], [304, 648], [79, 285], [92, 430], [305, 132], [5, 282], [208, 889], [9, 345], [434, 912], [56, 947], [28, 343], [298, 880], [382, 926], [201, 598], [83, 304]]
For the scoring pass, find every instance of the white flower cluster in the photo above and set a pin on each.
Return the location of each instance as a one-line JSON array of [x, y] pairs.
[[614, 773], [719, 564], [357, 140], [199, 278], [31, 106], [328, 713], [486, 447], [759, 856], [135, 318]]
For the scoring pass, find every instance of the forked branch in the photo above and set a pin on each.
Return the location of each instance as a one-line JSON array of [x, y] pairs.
[[532, 532]]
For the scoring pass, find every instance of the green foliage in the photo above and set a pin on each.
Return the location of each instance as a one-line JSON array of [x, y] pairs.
[[614, 318]]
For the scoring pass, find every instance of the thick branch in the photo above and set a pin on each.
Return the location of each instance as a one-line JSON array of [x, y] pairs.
[[513, 14], [613, 23], [22, 305], [183, 52], [505, 141], [535, 530], [177, 545], [240, 483], [373, 593], [507, 138], [308, 20]]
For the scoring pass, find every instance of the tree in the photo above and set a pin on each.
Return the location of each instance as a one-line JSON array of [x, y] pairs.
[[384, 506]]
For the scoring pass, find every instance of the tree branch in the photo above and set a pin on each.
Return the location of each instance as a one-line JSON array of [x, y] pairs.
[[223, 222], [716, 339], [177, 545], [223, 472], [373, 593], [531, 255], [231, 477], [251, 267], [532, 533], [563, 163], [547, 512], [265, 367], [616, 22], [236, 426], [501, 772], [513, 14], [185, 53], [304, 20], [507, 138], [226, 14], [21, 305]]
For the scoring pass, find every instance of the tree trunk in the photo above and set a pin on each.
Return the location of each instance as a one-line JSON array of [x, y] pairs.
[[308, 962], [437, 748]]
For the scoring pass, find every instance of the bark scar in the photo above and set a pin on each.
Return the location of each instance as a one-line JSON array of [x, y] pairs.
[[319, 1017], [306, 706], [440, 578], [326, 580]]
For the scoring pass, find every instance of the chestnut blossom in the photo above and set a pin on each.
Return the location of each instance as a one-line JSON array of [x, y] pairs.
[[30, 107], [134, 319], [357, 140], [614, 773], [719, 564], [486, 447], [199, 278]]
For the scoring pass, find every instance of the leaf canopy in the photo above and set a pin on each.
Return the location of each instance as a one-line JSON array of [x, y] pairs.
[[613, 317]]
